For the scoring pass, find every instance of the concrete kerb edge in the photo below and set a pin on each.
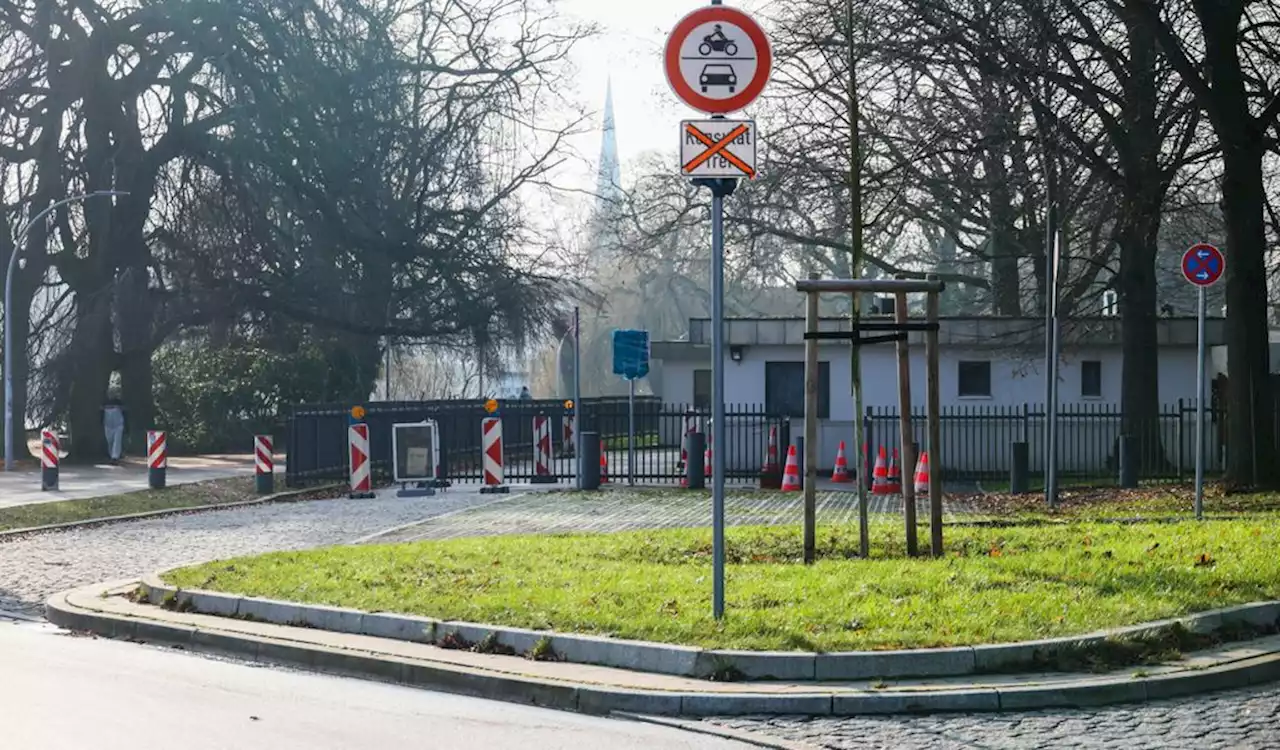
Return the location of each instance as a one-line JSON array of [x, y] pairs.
[[279, 497], [686, 661], [605, 699]]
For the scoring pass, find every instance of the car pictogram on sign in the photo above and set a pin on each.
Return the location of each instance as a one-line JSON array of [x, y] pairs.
[[718, 75]]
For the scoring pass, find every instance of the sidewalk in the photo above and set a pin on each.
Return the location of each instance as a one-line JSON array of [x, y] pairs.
[[22, 486], [107, 610]]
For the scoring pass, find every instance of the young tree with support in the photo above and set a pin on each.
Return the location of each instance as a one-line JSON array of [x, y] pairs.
[[897, 331]]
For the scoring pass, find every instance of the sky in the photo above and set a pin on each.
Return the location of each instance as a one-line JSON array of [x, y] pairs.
[[628, 49]]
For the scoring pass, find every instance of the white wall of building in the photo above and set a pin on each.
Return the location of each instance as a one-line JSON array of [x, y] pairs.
[[980, 444], [1016, 379]]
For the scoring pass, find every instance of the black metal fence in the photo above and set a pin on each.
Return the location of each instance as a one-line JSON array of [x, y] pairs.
[[317, 438], [977, 440]]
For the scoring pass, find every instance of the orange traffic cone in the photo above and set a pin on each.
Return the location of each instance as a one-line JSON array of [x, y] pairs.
[[708, 468], [880, 476], [895, 475], [922, 472], [841, 474], [604, 465], [791, 475]]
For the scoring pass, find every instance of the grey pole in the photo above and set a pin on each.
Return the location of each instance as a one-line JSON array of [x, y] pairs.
[[631, 433], [1200, 407], [1051, 477], [578, 411], [717, 402], [18, 240]]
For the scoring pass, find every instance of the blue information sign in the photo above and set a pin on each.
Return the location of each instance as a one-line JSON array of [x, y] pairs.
[[631, 354]]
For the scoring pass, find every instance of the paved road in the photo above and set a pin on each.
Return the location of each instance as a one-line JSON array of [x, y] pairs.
[[78, 482], [66, 693], [34, 567], [1237, 720]]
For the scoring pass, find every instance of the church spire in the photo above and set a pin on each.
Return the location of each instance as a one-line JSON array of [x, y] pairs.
[[609, 175]]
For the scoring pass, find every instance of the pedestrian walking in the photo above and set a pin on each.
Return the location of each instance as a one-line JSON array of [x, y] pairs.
[[114, 425]]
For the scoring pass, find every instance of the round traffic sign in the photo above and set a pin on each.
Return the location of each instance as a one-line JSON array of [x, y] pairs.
[[718, 59], [1203, 265]]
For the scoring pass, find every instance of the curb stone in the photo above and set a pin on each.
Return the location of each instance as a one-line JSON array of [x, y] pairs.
[[279, 497], [688, 661], [570, 693]]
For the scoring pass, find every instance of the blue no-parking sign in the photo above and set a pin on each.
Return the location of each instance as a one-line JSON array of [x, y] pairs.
[[1203, 265]]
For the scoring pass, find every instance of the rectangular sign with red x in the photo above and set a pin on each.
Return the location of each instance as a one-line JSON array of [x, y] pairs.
[[718, 148]]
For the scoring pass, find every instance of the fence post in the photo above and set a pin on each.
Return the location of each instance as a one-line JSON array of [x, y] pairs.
[[589, 461], [1020, 471], [695, 471]]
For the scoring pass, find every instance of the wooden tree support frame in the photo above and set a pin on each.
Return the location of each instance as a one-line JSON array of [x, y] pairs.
[[897, 332]]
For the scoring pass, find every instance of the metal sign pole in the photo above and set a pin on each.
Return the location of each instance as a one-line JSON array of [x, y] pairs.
[[1200, 406], [718, 445], [578, 411], [631, 433]]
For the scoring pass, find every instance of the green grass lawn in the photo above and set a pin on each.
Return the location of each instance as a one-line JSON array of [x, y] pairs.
[[213, 492], [994, 585]]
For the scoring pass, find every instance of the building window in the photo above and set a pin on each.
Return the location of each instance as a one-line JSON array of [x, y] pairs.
[[975, 380], [784, 389], [1091, 379], [702, 390]]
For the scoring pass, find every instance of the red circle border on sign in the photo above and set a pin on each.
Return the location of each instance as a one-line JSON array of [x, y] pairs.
[[764, 59], [1222, 260]]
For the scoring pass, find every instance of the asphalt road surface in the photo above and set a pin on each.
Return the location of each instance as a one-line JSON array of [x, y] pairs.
[[63, 692]]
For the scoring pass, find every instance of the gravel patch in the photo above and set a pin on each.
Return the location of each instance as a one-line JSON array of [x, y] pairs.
[[32, 568]]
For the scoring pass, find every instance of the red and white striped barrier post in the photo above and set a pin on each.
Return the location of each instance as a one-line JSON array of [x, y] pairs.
[[569, 428], [264, 464], [690, 427], [542, 450], [157, 459], [491, 447], [361, 474], [49, 454]]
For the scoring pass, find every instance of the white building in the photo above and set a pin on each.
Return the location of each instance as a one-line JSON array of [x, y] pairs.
[[991, 376]]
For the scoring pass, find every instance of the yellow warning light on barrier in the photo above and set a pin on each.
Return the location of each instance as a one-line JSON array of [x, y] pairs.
[[357, 412], [491, 405], [568, 404]]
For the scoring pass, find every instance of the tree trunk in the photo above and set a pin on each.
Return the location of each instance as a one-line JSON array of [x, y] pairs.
[[1251, 443], [91, 350], [1136, 287], [134, 328], [1143, 191]]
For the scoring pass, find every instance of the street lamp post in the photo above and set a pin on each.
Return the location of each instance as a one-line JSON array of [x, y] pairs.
[[18, 240]]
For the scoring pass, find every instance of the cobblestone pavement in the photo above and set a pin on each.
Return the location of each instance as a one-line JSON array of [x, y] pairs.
[[1242, 719], [620, 509], [32, 568]]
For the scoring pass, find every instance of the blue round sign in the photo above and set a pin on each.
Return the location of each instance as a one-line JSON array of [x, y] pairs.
[[1203, 265]]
